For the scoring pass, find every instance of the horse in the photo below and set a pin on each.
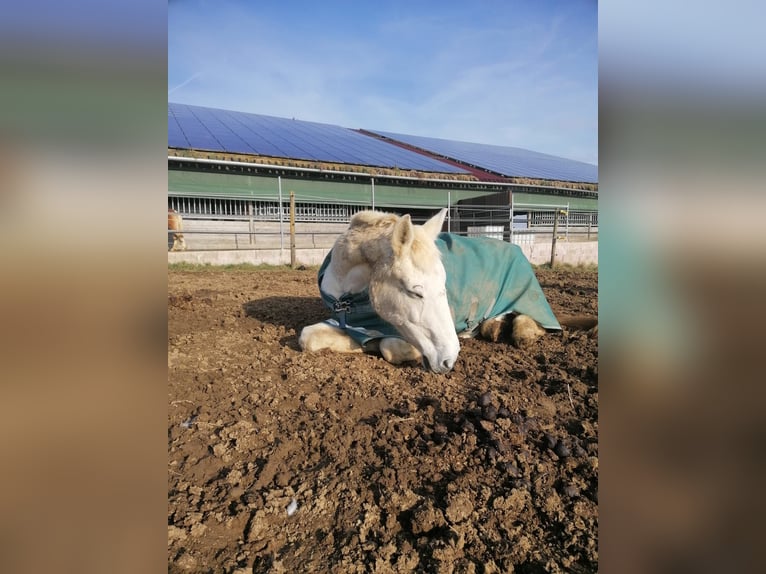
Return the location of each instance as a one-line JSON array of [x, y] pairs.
[[409, 292], [175, 225]]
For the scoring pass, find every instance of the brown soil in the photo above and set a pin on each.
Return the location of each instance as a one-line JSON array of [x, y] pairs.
[[281, 461]]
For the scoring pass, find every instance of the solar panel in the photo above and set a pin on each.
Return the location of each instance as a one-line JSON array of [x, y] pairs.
[[191, 129], [196, 127], [508, 161]]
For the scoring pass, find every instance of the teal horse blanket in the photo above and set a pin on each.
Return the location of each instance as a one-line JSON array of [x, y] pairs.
[[486, 278]]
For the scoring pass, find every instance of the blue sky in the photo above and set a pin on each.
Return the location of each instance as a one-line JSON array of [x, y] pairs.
[[503, 72]]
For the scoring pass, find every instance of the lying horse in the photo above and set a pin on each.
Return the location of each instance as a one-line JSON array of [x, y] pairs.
[[175, 225], [409, 291]]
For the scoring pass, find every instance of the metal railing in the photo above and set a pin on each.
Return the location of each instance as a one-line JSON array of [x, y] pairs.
[[261, 210], [215, 224]]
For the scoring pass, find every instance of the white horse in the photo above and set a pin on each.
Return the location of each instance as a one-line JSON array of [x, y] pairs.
[[385, 282]]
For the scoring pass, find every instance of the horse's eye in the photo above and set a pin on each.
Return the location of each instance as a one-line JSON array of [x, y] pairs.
[[415, 291]]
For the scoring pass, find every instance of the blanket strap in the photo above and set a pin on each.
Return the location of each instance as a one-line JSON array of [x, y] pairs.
[[340, 308]]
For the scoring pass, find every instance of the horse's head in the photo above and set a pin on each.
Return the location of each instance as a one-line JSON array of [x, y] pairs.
[[408, 290]]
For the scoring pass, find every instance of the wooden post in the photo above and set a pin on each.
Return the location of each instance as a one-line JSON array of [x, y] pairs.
[[292, 229], [555, 232]]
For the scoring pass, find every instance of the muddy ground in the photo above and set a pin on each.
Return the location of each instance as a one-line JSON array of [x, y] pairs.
[[281, 461]]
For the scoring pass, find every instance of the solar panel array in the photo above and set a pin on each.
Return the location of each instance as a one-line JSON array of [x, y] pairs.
[[508, 161], [211, 129]]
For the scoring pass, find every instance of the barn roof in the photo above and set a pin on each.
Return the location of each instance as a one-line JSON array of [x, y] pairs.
[[500, 160], [195, 127], [217, 130]]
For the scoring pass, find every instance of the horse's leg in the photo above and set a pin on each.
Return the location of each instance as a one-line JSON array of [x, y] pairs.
[[492, 329], [323, 336], [525, 330], [179, 243], [397, 351], [586, 323]]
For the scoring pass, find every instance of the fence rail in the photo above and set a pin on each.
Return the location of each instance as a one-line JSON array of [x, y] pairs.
[[226, 224], [262, 210]]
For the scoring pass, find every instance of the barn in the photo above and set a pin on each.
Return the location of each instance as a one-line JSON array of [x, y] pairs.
[[250, 187]]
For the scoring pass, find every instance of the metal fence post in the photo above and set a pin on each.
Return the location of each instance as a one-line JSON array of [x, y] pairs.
[[510, 234], [292, 229], [252, 224]]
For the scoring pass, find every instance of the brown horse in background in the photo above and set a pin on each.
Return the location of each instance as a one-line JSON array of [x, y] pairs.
[[175, 225]]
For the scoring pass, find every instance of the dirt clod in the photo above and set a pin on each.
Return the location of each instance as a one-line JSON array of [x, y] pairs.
[[489, 413], [550, 440], [571, 491], [426, 518], [512, 470], [460, 507], [561, 450]]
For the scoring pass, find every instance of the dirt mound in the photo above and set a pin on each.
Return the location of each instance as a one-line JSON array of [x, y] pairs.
[[283, 461]]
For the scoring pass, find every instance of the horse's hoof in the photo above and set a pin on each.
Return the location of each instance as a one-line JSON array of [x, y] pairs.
[[525, 331]]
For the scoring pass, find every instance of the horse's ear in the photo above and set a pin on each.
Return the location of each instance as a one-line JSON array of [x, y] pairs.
[[434, 225], [403, 235]]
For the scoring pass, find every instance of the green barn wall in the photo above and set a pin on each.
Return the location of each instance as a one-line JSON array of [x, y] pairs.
[[231, 186]]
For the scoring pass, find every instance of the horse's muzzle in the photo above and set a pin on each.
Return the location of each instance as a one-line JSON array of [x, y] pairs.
[[444, 366]]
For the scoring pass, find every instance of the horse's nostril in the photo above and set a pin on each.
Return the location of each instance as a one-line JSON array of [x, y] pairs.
[[441, 367]]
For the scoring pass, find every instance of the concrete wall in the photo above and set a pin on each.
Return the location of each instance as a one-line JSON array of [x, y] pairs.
[[203, 234], [574, 253], [306, 257]]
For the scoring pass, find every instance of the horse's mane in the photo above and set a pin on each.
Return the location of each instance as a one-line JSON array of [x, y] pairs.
[[373, 219], [366, 225]]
